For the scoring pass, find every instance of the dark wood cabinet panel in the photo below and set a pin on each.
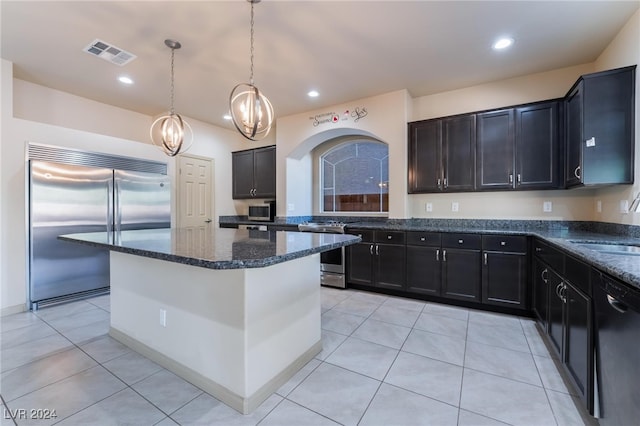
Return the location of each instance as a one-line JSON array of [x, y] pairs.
[[423, 270], [537, 146], [461, 274], [600, 122], [555, 287], [495, 151], [578, 341], [264, 172], [540, 292], [504, 279], [459, 147], [425, 156], [360, 263], [390, 266], [254, 173], [242, 177]]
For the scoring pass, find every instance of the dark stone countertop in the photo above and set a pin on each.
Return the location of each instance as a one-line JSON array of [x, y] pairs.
[[219, 249]]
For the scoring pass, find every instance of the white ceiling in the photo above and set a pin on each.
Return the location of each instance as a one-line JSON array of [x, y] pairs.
[[346, 50]]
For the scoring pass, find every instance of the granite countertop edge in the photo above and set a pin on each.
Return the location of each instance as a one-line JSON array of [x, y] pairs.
[[216, 264]]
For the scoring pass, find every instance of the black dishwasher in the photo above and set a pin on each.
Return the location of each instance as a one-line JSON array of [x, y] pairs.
[[618, 346]]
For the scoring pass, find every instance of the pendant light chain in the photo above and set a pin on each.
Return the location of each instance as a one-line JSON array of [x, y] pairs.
[[171, 111], [251, 76]]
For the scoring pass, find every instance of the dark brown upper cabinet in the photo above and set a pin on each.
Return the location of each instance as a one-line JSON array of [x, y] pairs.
[[495, 153], [254, 173], [599, 126], [519, 148], [442, 155]]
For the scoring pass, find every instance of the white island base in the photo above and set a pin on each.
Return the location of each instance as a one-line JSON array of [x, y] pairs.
[[238, 334]]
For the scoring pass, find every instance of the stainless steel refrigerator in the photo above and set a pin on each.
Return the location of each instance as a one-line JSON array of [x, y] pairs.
[[79, 192]]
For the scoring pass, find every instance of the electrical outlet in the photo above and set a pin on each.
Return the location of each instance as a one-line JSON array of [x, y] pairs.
[[547, 206], [291, 207], [163, 317], [624, 206], [455, 206], [599, 206], [428, 207]]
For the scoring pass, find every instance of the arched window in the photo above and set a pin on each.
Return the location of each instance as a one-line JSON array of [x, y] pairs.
[[354, 177]]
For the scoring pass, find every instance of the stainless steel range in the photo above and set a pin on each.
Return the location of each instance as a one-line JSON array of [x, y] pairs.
[[332, 268]]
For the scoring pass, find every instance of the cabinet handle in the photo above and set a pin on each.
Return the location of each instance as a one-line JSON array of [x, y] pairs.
[[519, 178], [503, 243], [558, 287], [545, 275], [389, 237], [437, 255], [510, 177], [616, 304], [576, 172], [563, 293], [377, 250], [371, 249], [422, 238], [485, 259], [444, 255], [446, 184], [538, 249], [460, 241], [439, 183]]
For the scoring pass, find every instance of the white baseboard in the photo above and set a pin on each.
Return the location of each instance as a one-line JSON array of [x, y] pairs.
[[10, 310]]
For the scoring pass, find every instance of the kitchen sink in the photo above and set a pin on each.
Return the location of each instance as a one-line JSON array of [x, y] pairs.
[[628, 249]]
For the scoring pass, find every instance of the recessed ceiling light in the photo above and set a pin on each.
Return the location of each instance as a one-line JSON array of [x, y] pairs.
[[227, 117], [313, 94], [502, 43], [125, 80]]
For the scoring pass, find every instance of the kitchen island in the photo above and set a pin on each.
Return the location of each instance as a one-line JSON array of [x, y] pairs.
[[235, 312]]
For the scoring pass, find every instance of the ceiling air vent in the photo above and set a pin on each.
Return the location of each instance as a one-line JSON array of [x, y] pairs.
[[109, 52]]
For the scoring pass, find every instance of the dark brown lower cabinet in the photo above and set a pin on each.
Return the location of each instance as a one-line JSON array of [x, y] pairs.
[[556, 311], [373, 263], [540, 293], [504, 279], [461, 274], [424, 274]]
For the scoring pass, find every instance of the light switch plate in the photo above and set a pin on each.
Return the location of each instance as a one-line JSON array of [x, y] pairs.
[[547, 206], [291, 207], [428, 207], [599, 206], [455, 206]]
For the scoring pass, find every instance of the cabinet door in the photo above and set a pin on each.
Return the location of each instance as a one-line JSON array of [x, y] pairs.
[[461, 274], [264, 172], [423, 270], [459, 147], [540, 292], [390, 266], [537, 147], [425, 156], [504, 279], [242, 174], [556, 312], [360, 263], [495, 150], [578, 350], [573, 111], [608, 113]]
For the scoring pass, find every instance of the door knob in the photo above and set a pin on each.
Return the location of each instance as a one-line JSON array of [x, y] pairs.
[[208, 221]]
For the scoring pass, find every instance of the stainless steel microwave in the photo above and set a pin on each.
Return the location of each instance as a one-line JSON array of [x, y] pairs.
[[262, 212]]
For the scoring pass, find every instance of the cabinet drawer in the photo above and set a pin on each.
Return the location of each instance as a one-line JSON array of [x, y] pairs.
[[365, 234], [431, 239], [578, 274], [507, 243], [549, 255], [389, 237], [463, 241]]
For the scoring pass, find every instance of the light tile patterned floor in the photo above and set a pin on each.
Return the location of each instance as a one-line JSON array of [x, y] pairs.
[[385, 361]]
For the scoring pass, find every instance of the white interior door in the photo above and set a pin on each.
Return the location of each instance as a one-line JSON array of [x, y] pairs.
[[195, 192]]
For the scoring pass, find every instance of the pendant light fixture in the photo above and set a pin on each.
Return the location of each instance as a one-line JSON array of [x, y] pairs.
[[251, 111], [170, 132]]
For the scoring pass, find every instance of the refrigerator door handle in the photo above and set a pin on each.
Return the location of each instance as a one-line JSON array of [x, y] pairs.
[[118, 207], [109, 206]]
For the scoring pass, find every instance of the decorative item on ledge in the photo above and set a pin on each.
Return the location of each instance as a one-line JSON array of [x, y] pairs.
[[251, 111], [170, 132]]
